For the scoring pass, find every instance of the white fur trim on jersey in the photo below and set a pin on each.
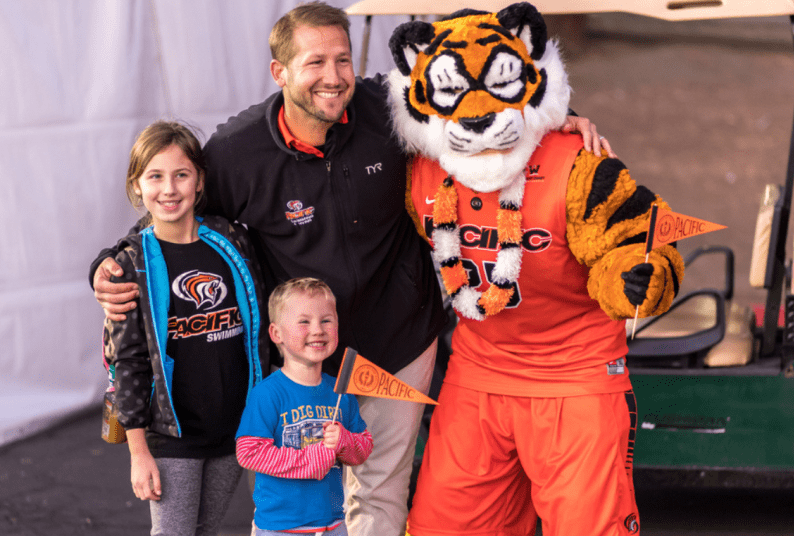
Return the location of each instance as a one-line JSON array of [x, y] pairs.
[[465, 303], [446, 244], [508, 265], [513, 193]]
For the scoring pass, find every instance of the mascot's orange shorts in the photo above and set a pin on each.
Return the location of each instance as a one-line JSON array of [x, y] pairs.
[[494, 463]]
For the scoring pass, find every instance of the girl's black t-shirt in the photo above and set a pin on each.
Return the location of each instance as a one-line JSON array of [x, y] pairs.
[[206, 344]]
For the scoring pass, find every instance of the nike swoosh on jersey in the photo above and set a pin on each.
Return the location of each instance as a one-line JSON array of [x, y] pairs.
[[429, 200]]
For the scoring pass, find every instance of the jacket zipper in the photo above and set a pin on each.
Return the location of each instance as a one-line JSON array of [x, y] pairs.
[[351, 269], [346, 173]]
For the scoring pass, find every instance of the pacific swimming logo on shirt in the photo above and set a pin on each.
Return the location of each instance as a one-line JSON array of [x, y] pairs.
[[202, 288], [206, 291], [297, 215]]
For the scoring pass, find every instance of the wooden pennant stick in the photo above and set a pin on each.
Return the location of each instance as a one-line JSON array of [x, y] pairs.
[[648, 247], [637, 310], [336, 409]]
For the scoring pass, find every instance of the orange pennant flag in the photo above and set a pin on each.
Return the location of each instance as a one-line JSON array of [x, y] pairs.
[[360, 376], [670, 226]]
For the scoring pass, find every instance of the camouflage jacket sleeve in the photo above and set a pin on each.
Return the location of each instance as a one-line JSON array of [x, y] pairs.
[[125, 347], [607, 223]]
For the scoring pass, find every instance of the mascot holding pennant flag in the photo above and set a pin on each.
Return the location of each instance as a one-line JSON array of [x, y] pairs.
[[666, 227], [541, 246]]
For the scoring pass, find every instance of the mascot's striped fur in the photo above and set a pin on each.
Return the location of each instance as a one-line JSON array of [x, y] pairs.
[[477, 92]]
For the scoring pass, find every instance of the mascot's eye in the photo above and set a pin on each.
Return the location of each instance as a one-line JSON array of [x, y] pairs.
[[445, 84], [505, 78]]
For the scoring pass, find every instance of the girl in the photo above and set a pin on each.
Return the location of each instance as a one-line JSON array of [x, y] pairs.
[[187, 356]]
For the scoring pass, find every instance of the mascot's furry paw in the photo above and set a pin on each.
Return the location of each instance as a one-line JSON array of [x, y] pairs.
[[636, 282], [607, 285]]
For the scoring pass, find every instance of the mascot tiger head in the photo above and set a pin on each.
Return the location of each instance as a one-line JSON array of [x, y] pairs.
[[477, 91]]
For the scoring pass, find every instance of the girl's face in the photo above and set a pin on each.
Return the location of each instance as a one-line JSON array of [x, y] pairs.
[[168, 188]]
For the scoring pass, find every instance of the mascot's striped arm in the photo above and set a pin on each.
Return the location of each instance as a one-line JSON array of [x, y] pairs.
[[607, 215]]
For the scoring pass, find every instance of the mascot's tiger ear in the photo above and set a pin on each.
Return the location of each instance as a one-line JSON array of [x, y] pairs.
[[524, 21], [407, 41], [521, 19]]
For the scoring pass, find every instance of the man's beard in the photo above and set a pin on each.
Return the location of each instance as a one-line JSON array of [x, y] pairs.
[[311, 109]]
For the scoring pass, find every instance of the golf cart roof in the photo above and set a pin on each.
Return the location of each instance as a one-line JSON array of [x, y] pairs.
[[662, 9]]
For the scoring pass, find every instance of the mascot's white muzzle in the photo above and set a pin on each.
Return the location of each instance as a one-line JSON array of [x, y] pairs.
[[472, 135], [490, 160]]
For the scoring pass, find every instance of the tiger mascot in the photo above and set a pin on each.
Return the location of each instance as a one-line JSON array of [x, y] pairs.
[[541, 247]]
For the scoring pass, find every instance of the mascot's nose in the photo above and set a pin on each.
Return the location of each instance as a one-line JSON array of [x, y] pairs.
[[477, 124]]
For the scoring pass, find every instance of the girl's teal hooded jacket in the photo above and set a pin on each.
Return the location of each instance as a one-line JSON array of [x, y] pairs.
[[135, 347]]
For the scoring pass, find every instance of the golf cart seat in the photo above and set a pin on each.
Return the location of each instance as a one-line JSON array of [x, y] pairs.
[[703, 328]]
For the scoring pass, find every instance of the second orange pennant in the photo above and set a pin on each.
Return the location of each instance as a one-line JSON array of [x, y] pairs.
[[671, 226]]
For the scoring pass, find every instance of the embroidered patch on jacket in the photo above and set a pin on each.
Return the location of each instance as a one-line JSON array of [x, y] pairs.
[[618, 366], [298, 215]]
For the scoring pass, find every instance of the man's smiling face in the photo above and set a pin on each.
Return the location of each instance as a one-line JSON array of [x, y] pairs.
[[319, 81]]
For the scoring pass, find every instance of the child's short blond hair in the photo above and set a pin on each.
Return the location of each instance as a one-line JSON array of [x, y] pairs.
[[284, 291]]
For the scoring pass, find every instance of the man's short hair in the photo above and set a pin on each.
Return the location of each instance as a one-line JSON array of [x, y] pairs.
[[284, 291], [313, 14]]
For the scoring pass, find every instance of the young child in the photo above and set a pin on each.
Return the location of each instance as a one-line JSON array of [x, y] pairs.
[[290, 433], [187, 356]]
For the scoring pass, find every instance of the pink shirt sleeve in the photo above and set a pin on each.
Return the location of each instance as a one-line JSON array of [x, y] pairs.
[[354, 449], [261, 455]]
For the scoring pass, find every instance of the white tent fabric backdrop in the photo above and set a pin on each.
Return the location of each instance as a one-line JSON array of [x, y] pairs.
[[80, 79]]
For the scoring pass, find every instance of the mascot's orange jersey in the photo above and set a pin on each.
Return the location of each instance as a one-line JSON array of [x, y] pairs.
[[552, 339]]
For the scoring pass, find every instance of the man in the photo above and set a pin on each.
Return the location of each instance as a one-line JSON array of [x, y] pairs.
[[316, 175]]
